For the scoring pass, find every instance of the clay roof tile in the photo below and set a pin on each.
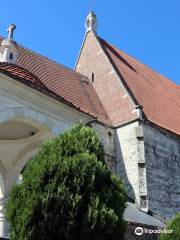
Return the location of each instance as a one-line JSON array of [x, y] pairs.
[[56, 80], [158, 96]]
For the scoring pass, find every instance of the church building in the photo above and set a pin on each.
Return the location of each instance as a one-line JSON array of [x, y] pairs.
[[134, 110]]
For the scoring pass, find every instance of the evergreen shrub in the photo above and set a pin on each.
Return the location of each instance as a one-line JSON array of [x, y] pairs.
[[68, 193]]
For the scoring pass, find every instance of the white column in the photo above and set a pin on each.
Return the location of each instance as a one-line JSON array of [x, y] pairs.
[[4, 228]]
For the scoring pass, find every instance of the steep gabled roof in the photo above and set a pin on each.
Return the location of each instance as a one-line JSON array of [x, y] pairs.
[[158, 96], [56, 81]]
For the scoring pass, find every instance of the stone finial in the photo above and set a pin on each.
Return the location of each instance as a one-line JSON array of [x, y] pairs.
[[10, 31], [9, 50], [91, 22]]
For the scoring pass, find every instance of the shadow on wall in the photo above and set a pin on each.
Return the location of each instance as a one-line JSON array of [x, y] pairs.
[[121, 171]]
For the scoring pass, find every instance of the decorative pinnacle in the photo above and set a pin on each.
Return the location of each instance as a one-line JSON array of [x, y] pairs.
[[10, 31], [91, 22]]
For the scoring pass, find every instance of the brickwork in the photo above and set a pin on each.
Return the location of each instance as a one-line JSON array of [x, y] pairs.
[[147, 159], [94, 63]]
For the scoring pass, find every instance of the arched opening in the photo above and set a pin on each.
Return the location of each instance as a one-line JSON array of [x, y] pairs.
[[22, 132], [15, 130]]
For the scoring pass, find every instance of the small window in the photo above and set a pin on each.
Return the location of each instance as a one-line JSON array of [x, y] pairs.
[[92, 77], [11, 56], [109, 134]]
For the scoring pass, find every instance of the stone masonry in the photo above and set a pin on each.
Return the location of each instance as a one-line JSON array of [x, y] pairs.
[[162, 156]]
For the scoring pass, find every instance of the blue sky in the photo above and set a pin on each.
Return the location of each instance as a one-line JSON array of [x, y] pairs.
[[147, 30]]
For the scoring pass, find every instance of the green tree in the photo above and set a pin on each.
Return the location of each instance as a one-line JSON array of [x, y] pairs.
[[68, 193], [173, 225]]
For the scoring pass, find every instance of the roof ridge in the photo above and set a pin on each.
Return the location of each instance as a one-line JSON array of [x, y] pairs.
[[48, 58], [113, 48], [132, 96]]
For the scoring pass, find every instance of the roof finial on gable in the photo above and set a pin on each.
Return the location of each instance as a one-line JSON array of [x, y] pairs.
[[9, 51], [91, 22], [10, 31]]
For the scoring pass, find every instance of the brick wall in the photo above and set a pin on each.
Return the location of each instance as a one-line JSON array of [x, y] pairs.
[[148, 164], [94, 63]]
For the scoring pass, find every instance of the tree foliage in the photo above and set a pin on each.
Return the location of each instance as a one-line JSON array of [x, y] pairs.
[[173, 225], [68, 193]]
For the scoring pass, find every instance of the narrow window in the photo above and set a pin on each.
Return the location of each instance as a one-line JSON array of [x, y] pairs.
[[11, 56], [92, 77]]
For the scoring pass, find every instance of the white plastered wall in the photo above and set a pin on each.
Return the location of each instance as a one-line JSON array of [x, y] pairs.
[[50, 117]]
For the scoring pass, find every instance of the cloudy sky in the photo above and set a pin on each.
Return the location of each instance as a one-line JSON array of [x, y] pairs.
[[147, 30]]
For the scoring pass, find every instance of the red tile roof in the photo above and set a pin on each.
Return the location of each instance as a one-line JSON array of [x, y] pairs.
[[20, 73], [56, 81], [158, 96]]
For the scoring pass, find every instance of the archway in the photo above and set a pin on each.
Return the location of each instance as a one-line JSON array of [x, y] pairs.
[[22, 132]]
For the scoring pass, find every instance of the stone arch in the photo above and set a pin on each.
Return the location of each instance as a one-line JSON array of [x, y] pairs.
[[20, 161], [27, 153], [9, 170], [31, 146], [25, 114]]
